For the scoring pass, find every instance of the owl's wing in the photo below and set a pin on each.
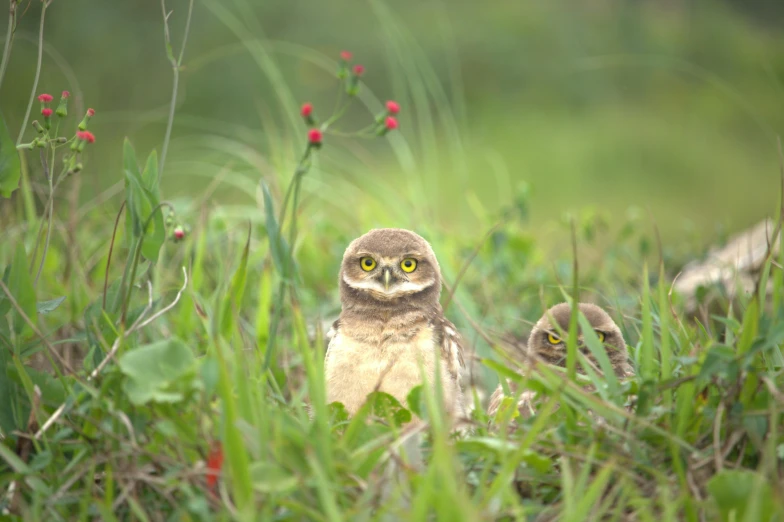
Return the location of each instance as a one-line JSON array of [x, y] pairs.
[[333, 330], [331, 334], [451, 345], [525, 402]]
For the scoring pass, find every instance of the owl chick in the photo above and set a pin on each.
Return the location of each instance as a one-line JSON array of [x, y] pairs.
[[545, 343], [391, 321]]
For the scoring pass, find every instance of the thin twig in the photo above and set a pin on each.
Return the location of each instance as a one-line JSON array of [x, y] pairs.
[[176, 71], [9, 40], [167, 308], [115, 347], [137, 326], [44, 5]]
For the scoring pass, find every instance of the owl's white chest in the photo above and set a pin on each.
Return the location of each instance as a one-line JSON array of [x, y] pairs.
[[354, 369]]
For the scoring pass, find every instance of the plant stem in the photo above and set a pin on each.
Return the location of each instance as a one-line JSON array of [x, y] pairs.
[[51, 215], [293, 188], [134, 264], [126, 297], [336, 116], [111, 249], [300, 166], [37, 71], [9, 40], [176, 70], [49, 203]]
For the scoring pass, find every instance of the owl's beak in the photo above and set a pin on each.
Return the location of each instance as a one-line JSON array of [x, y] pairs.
[[387, 278]]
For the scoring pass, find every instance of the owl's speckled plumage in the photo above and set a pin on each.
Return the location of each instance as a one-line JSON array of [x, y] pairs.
[[540, 347], [390, 320]]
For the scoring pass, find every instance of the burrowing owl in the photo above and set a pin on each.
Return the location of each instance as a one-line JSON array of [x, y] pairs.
[[545, 343], [391, 320]]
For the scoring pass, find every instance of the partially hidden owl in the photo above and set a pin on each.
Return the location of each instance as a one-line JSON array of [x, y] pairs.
[[546, 343], [391, 321]]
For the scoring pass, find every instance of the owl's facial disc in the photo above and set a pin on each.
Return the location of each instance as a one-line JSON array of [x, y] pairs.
[[388, 278]]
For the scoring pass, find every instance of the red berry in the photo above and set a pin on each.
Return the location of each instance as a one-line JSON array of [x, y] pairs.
[[393, 107], [345, 55], [46, 112], [307, 109], [359, 69], [314, 136], [87, 136], [45, 98], [391, 123]]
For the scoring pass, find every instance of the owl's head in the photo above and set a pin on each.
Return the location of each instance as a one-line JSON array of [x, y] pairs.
[[549, 342], [387, 264]]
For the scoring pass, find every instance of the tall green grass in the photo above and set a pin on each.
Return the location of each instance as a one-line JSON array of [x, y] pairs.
[[236, 360]]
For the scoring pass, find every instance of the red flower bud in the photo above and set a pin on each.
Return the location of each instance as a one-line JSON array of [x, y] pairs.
[[179, 233], [46, 112], [391, 123], [393, 107], [65, 94], [359, 69], [45, 98], [86, 119], [315, 136], [307, 110], [87, 136], [214, 464], [345, 55]]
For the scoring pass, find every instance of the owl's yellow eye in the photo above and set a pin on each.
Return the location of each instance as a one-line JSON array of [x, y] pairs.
[[600, 335], [553, 339], [367, 263], [408, 265]]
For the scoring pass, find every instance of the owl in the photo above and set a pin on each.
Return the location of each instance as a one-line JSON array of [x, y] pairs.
[[391, 321], [545, 343]]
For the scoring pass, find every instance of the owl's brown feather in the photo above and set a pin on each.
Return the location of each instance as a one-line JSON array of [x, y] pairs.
[[391, 322], [556, 321]]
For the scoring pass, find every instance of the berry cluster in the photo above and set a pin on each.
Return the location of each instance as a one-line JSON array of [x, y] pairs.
[[48, 132], [349, 75]]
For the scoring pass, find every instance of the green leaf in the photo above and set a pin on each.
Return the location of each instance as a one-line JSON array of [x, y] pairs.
[[21, 286], [15, 462], [153, 371], [233, 299], [131, 174], [278, 247], [387, 407], [720, 360], [600, 354], [270, 478], [150, 174], [53, 392], [9, 394], [416, 401], [45, 307], [10, 165], [734, 490], [141, 197], [5, 303]]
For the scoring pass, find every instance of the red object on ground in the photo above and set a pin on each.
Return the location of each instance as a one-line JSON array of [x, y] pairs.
[[214, 464]]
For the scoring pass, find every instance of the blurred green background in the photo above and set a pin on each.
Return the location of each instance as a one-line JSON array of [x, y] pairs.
[[672, 106]]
